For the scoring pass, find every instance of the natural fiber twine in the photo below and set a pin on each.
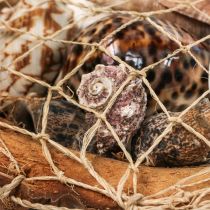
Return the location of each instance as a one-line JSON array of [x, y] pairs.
[[127, 202]]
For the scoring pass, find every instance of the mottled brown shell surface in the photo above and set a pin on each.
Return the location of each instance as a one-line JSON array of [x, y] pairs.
[[125, 115], [66, 122], [177, 82], [179, 147]]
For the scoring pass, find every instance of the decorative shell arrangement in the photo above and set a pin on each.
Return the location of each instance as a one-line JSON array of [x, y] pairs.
[[177, 82]]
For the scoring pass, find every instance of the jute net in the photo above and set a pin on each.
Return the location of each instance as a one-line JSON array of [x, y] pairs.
[[186, 194]]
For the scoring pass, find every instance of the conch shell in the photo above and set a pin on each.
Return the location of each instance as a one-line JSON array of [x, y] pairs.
[[95, 91]]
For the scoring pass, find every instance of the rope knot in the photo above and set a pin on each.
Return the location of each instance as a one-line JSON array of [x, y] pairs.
[[143, 74], [56, 88], [61, 177], [133, 199], [185, 49], [133, 74], [41, 136], [101, 116], [175, 119], [134, 169]]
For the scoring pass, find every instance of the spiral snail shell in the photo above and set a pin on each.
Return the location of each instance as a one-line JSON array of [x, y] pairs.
[[96, 88], [127, 112]]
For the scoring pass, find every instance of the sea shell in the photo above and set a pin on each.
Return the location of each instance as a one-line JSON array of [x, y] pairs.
[[125, 115], [65, 122], [178, 81], [42, 19], [179, 147]]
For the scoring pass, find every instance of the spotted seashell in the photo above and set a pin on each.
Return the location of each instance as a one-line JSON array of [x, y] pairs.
[[178, 81], [179, 147], [42, 19], [127, 112]]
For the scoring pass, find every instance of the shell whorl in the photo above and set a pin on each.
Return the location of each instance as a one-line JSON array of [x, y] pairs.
[[125, 115], [97, 87]]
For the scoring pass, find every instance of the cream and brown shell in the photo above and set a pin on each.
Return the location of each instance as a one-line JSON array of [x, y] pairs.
[[127, 112], [179, 147], [41, 19]]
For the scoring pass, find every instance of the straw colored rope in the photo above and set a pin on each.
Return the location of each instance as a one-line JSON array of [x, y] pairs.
[[125, 201]]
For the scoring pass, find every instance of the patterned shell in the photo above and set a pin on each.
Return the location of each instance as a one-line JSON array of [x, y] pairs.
[[125, 115], [178, 81], [41, 19], [66, 122], [179, 147]]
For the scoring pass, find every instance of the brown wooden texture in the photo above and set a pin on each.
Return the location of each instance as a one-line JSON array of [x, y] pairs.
[[28, 153]]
